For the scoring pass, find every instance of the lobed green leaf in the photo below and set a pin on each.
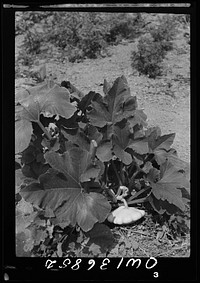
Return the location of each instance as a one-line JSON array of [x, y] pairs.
[[167, 187], [114, 107]]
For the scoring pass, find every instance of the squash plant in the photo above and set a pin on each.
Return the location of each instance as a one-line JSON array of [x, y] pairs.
[[76, 153]]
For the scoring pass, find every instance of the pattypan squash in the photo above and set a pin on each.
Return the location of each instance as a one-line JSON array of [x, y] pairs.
[[125, 215]]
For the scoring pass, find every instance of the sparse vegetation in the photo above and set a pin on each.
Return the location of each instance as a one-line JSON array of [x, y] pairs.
[[76, 35], [148, 58], [152, 48]]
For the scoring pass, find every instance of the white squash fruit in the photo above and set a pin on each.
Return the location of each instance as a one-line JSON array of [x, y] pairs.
[[125, 215]]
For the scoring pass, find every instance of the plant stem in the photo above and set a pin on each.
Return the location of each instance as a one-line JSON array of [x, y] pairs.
[[137, 200], [110, 192], [105, 173], [121, 175], [137, 171], [116, 173], [44, 130], [137, 194], [93, 149], [124, 201]]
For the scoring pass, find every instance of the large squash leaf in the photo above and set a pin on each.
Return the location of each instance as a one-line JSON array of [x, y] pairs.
[[162, 155], [79, 139], [162, 206], [159, 145], [42, 99], [118, 144], [106, 87], [156, 131], [57, 102], [139, 118], [153, 142], [116, 105], [163, 142], [93, 134], [53, 101], [100, 235], [104, 151], [21, 179], [169, 184], [52, 179], [120, 141], [71, 206], [21, 94], [140, 146], [23, 133], [86, 100], [74, 164], [66, 200]]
